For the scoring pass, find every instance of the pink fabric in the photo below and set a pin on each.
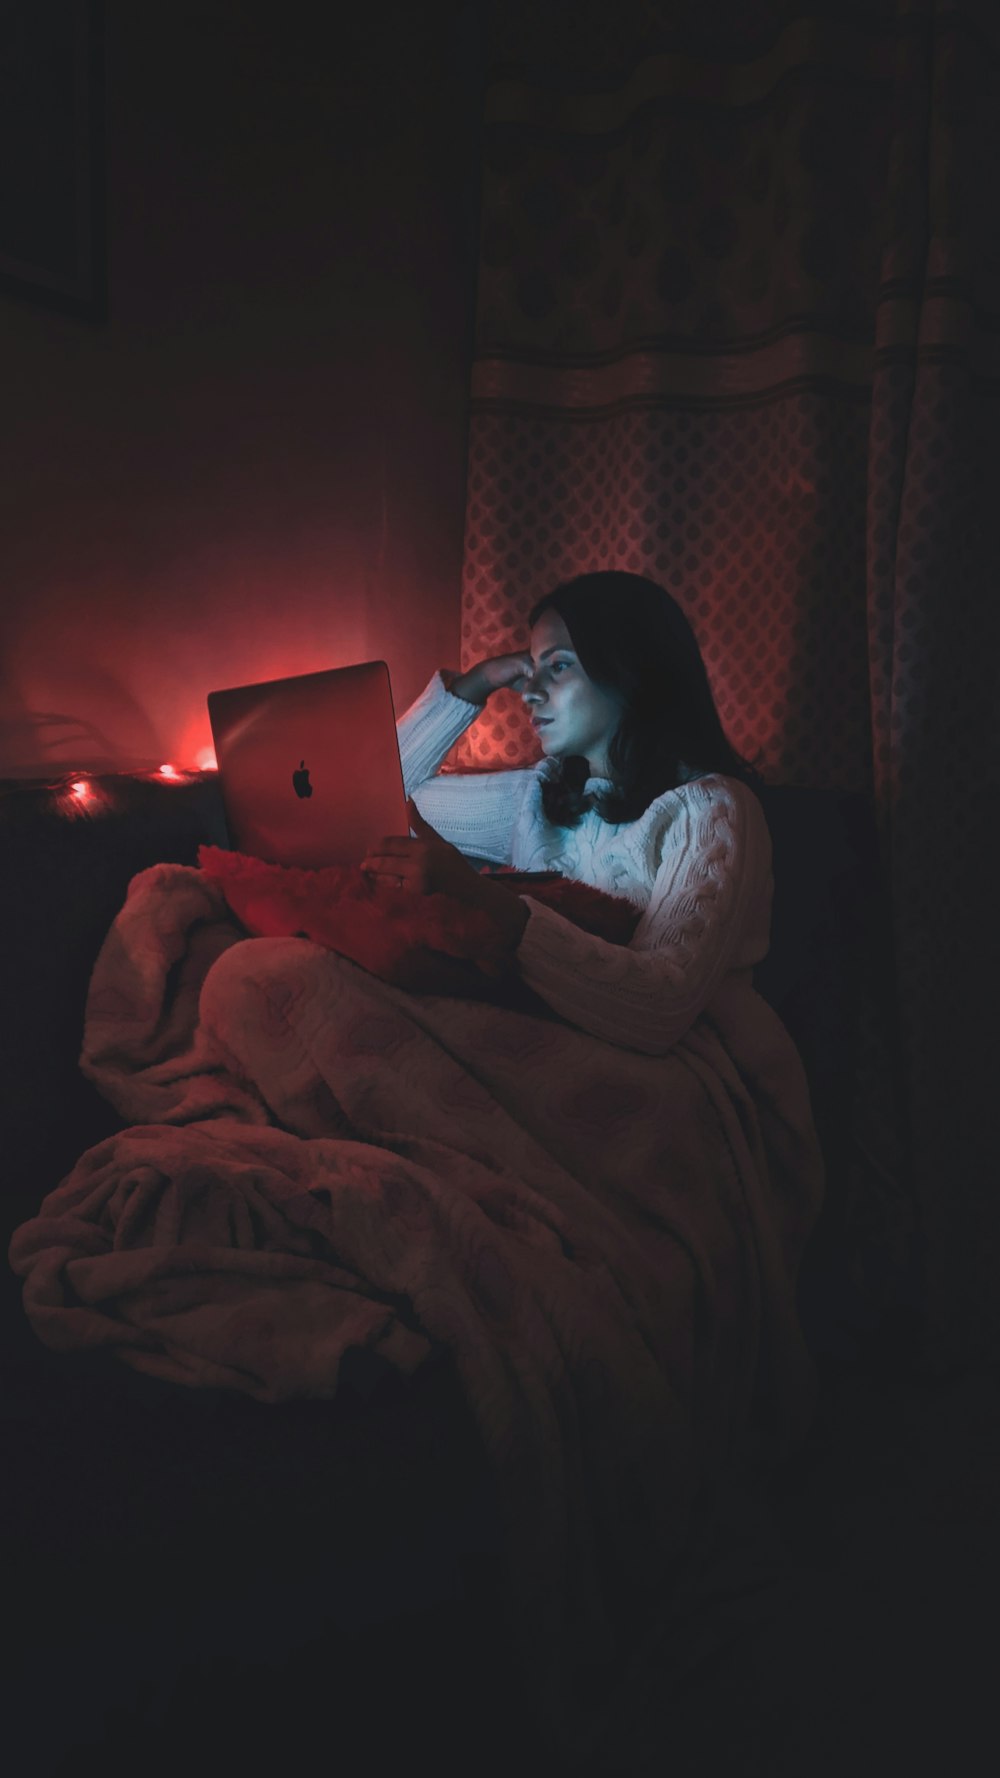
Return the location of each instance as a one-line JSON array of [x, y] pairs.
[[432, 944], [605, 1243]]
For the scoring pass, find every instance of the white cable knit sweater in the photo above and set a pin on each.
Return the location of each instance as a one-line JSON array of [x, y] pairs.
[[698, 863]]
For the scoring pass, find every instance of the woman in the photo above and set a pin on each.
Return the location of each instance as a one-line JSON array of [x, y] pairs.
[[638, 793]]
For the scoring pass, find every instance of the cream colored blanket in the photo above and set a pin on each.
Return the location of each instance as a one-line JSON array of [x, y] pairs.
[[605, 1243]]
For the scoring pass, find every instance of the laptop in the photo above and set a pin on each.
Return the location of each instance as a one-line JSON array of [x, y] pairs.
[[309, 766]]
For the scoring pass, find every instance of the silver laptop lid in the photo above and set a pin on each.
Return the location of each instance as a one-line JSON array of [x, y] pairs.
[[309, 766]]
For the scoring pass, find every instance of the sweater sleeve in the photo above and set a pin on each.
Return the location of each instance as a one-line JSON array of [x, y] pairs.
[[708, 914], [474, 811]]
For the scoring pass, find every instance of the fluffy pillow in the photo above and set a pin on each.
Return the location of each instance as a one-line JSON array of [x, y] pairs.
[[428, 943]]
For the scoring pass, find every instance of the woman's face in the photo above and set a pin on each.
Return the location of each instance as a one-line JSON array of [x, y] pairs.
[[569, 713]]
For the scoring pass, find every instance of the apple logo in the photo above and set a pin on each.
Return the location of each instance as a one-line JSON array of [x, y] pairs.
[[300, 779]]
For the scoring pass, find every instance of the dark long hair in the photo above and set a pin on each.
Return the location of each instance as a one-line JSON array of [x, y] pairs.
[[633, 639]]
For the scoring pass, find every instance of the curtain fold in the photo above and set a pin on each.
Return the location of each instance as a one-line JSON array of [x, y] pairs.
[[738, 328], [934, 488]]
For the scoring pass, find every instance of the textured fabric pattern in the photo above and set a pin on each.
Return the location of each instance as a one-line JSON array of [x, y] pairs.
[[605, 1244], [482, 826], [697, 862], [739, 290]]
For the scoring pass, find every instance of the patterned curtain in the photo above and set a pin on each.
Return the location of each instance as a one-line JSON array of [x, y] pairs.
[[738, 328]]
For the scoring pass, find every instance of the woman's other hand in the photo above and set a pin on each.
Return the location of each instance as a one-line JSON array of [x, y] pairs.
[[428, 865], [494, 674]]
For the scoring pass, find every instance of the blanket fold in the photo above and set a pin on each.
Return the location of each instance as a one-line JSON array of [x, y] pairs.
[[604, 1244]]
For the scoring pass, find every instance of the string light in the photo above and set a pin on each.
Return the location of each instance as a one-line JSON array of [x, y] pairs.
[[82, 795]]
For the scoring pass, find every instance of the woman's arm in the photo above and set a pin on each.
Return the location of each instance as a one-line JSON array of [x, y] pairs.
[[474, 811], [709, 913]]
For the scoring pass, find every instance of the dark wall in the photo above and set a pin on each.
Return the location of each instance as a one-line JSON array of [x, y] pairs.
[[256, 466]]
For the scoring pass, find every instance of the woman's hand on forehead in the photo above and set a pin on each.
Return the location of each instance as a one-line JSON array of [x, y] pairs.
[[507, 671]]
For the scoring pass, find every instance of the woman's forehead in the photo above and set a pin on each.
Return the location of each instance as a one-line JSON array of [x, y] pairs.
[[549, 632]]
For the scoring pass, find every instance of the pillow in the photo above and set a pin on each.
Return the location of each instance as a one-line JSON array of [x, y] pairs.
[[431, 944]]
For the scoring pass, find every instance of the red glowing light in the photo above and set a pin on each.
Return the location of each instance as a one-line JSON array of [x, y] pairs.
[[80, 789], [206, 760], [168, 772]]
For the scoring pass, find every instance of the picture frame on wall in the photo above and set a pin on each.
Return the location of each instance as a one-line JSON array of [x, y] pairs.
[[52, 155]]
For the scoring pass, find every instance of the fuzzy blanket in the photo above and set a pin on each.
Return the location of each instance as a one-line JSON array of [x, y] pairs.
[[432, 944], [605, 1243]]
